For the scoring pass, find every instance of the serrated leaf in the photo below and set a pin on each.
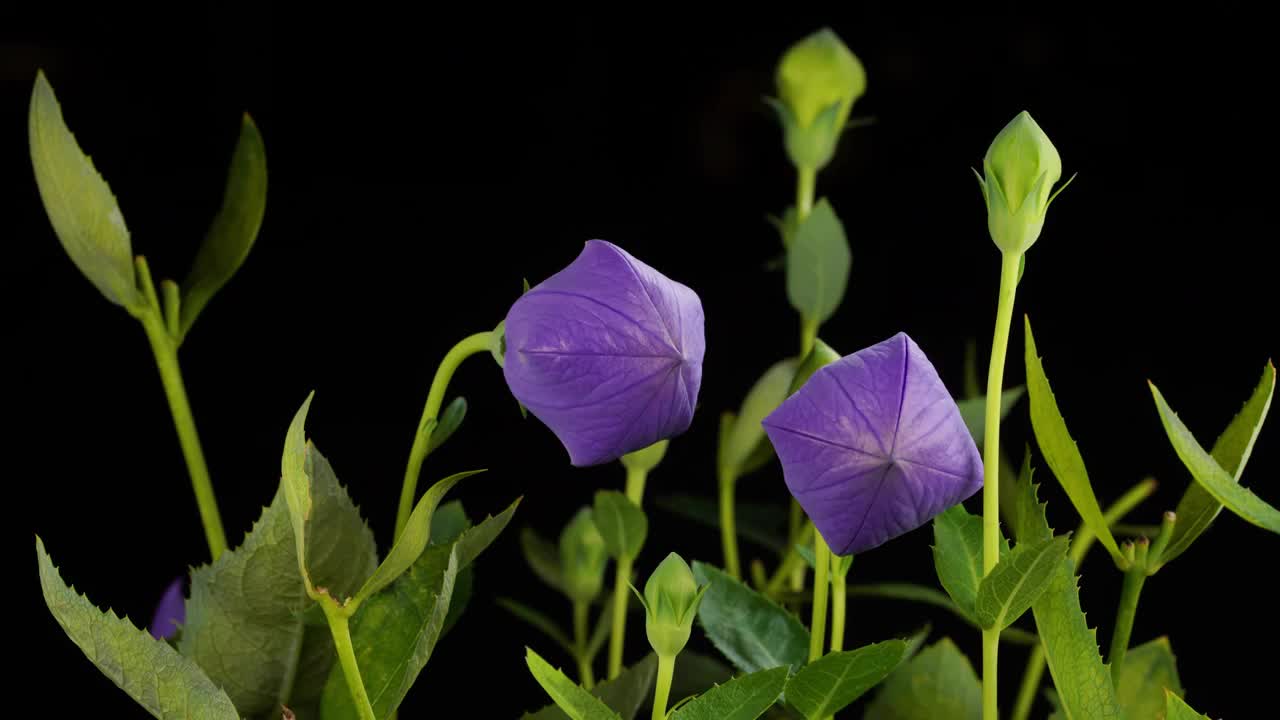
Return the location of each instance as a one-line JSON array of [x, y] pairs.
[[168, 685], [1177, 709], [761, 523], [830, 683], [743, 698], [395, 631], [83, 211], [1149, 670], [621, 523], [244, 624], [234, 228], [625, 694], [1083, 682], [542, 557], [413, 540], [746, 627], [1007, 593], [447, 424], [937, 683], [1212, 477], [1028, 519], [448, 523], [1060, 451], [818, 263], [577, 703], [974, 411]]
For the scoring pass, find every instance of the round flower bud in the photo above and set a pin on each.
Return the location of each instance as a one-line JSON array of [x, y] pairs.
[[818, 81], [1020, 169], [671, 600], [582, 557]]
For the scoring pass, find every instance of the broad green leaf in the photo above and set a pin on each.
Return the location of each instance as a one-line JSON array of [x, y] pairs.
[[830, 683], [1082, 680], [746, 627], [413, 540], [1005, 594], [697, 673], [1149, 670], [243, 626], [1198, 507], [1060, 451], [1027, 516], [957, 555], [168, 685], [538, 620], [937, 683], [448, 424], [621, 523], [761, 523], [818, 264], [974, 411], [234, 228], [1177, 709], [745, 434], [577, 703], [743, 698], [625, 694], [543, 558], [395, 631], [84, 213], [1212, 477]]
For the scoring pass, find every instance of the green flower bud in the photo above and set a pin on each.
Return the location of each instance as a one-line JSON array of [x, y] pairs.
[[646, 459], [1021, 167], [671, 600], [819, 357], [818, 80], [582, 557]]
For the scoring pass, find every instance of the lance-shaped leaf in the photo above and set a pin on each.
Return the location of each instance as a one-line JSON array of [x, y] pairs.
[[742, 435], [1218, 475], [81, 207], [543, 558], [818, 264], [577, 703], [830, 683], [417, 532], [624, 694], [937, 683], [750, 630], [168, 685], [243, 621], [1060, 451], [974, 411], [234, 228], [1027, 516], [1071, 649], [448, 424], [1006, 593], [1149, 670], [743, 698], [621, 523], [1177, 709], [295, 481]]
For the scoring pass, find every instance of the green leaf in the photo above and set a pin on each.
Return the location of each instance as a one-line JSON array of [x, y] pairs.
[[84, 213], [743, 698], [543, 558], [413, 540], [696, 673], [1149, 670], [1200, 504], [739, 443], [168, 685], [957, 555], [448, 423], [818, 264], [577, 703], [1028, 518], [395, 631], [538, 621], [1176, 709], [234, 229], [937, 683], [830, 683], [1007, 593], [621, 523], [448, 523], [243, 624], [295, 481], [625, 694], [1083, 682], [761, 523], [746, 627], [974, 411], [1060, 451], [972, 385]]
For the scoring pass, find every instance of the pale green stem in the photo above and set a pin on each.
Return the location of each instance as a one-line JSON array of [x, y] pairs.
[[341, 631], [1134, 578], [800, 526], [839, 602], [991, 469], [821, 584], [728, 525], [806, 181], [790, 562], [662, 688], [581, 615], [622, 577], [808, 335], [478, 343]]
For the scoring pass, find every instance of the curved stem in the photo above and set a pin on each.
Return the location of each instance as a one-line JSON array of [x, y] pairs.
[[581, 614], [821, 567], [728, 525], [991, 470], [347, 657], [662, 688], [480, 342]]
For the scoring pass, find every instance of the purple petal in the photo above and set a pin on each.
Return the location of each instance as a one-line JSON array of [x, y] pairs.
[[607, 353], [171, 612], [873, 446]]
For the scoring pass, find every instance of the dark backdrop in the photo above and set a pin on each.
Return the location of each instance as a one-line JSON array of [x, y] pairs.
[[421, 165]]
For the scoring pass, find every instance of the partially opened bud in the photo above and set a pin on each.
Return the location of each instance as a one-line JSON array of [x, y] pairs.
[[1020, 169], [671, 600], [582, 557], [819, 80]]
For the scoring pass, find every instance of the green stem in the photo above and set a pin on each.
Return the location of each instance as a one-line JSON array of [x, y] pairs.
[[821, 567], [806, 181], [800, 529], [991, 470], [341, 631], [662, 688], [478, 343], [581, 614], [791, 561], [1134, 578], [808, 335], [622, 576], [635, 486], [728, 525], [1030, 683], [165, 350], [839, 595]]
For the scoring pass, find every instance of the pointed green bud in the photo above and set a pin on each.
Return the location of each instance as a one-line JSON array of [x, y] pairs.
[[582, 557], [646, 459], [1020, 169], [818, 80], [671, 600], [819, 357]]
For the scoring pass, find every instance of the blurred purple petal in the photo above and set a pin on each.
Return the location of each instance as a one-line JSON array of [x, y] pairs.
[[873, 446], [171, 613], [607, 353]]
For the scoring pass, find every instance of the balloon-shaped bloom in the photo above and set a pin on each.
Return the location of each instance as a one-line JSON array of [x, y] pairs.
[[171, 611], [873, 446], [607, 353], [1020, 170]]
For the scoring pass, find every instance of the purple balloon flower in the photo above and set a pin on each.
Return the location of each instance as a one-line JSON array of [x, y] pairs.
[[873, 446], [171, 612], [607, 353]]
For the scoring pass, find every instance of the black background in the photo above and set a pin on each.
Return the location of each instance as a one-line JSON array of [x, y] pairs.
[[422, 164]]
